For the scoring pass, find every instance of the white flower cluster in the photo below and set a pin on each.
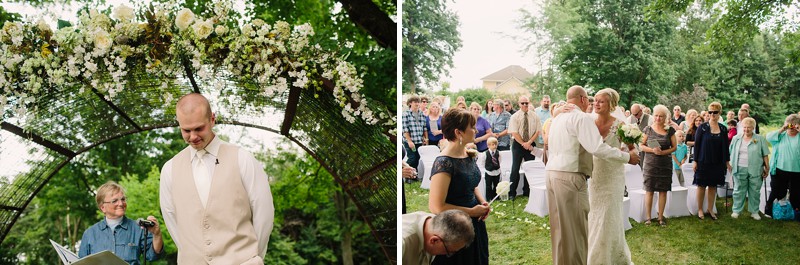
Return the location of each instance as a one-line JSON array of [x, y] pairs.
[[99, 52], [629, 133], [503, 187]]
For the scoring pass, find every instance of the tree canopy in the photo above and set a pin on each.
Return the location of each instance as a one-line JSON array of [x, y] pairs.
[[430, 38]]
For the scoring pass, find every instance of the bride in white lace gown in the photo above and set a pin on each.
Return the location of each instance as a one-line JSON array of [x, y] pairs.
[[607, 243]]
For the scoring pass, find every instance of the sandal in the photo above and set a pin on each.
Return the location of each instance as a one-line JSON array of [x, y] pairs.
[[647, 222], [662, 223], [700, 216], [713, 216]]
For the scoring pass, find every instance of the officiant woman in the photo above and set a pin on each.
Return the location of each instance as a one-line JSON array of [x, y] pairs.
[[116, 232]]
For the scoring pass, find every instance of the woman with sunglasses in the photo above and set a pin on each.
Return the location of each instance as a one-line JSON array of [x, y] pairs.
[[711, 160], [117, 233], [785, 164]]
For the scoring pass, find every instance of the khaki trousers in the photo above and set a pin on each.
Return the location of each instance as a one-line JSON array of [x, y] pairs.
[[568, 201]]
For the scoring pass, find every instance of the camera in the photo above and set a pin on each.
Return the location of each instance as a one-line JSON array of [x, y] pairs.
[[146, 223]]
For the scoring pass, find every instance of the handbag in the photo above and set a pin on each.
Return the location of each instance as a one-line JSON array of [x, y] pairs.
[[782, 210]]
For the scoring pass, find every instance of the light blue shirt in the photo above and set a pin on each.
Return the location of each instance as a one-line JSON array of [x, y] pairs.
[[680, 153], [126, 241], [543, 114], [785, 152]]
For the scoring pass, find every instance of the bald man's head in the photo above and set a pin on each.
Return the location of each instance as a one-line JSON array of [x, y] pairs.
[[194, 102], [195, 120], [576, 95]]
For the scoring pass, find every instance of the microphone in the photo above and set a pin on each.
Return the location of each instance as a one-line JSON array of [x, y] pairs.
[[217, 161], [145, 223]]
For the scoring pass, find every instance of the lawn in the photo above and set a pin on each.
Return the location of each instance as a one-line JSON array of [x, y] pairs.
[[518, 237]]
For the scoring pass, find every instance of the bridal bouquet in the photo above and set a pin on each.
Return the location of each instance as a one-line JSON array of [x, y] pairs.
[[629, 134]]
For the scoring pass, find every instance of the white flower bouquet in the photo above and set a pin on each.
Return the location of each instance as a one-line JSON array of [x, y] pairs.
[[629, 134], [502, 189]]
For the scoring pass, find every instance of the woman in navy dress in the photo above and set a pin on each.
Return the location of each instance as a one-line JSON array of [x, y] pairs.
[[711, 160], [454, 185]]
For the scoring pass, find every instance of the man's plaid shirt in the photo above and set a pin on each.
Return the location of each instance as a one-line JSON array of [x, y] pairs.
[[414, 124]]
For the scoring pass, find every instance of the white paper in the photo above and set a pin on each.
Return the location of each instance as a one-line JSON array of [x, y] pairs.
[[69, 258]]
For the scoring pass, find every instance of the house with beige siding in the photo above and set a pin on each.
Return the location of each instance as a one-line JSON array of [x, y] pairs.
[[509, 80]]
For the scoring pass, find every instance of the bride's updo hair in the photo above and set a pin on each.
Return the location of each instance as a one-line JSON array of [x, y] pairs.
[[612, 95]]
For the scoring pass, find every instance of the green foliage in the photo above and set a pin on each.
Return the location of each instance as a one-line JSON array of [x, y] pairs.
[[653, 55], [430, 38], [143, 202], [479, 95]]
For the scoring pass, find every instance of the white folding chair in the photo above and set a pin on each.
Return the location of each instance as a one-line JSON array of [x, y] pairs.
[[537, 199], [427, 154], [626, 209], [675, 198], [482, 166], [765, 190], [635, 181], [505, 165]]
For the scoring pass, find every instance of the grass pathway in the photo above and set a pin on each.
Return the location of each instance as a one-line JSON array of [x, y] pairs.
[[518, 237]]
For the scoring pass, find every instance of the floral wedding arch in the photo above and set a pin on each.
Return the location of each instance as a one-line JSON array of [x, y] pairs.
[[76, 87]]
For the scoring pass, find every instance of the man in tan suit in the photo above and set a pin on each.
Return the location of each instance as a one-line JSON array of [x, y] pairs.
[[215, 196], [567, 198]]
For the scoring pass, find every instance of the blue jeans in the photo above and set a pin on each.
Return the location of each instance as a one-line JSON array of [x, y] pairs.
[[413, 156]]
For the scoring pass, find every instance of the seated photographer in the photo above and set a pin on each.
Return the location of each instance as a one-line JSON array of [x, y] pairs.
[[119, 234]]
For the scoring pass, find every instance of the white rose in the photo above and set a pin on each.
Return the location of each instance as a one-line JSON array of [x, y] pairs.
[[258, 22], [221, 30], [184, 18], [123, 13], [203, 28], [102, 40], [42, 25]]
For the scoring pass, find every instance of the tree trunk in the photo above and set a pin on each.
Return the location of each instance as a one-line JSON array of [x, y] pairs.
[[342, 205]]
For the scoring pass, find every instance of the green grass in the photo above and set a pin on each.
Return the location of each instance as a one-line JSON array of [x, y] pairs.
[[518, 237]]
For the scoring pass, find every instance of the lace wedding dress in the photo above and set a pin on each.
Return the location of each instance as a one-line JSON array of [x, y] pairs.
[[607, 243]]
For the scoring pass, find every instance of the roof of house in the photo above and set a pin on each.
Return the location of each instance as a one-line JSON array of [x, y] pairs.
[[504, 74]]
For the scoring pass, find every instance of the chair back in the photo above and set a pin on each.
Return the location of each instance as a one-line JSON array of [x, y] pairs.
[[688, 173], [633, 177], [505, 161], [534, 172]]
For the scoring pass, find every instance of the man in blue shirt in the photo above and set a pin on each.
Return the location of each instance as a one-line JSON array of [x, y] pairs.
[[543, 111], [117, 233]]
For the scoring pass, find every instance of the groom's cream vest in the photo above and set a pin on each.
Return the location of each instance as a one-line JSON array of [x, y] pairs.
[[223, 232]]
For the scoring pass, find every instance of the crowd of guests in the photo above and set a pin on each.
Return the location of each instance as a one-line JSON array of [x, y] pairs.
[[713, 146]]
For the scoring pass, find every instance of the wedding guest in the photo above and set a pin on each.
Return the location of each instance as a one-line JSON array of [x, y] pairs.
[[492, 166], [590, 108], [454, 185], [704, 115], [711, 159], [461, 105], [234, 225], [749, 166], [627, 113], [413, 131], [426, 235], [677, 117], [732, 131], [423, 105], [509, 107], [483, 127], [543, 111], [731, 116], [498, 119], [691, 114], [680, 156], [461, 99], [657, 166], [487, 109], [433, 124], [744, 113], [524, 127], [785, 164], [118, 233], [690, 134]]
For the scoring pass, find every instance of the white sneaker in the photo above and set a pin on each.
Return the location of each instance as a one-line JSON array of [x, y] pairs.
[[755, 216], [735, 215]]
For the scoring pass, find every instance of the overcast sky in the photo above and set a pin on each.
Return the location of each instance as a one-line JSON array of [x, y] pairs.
[[486, 48]]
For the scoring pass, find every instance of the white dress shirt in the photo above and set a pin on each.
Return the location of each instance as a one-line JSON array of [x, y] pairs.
[[254, 180], [574, 138]]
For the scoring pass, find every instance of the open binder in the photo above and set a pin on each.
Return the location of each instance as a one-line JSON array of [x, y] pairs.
[[69, 258]]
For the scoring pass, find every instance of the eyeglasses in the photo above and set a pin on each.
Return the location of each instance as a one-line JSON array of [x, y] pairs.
[[115, 201], [713, 112], [448, 253], [523, 103], [424, 101]]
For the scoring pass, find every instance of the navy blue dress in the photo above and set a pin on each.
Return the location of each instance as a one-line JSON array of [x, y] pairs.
[[711, 155], [464, 177]]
